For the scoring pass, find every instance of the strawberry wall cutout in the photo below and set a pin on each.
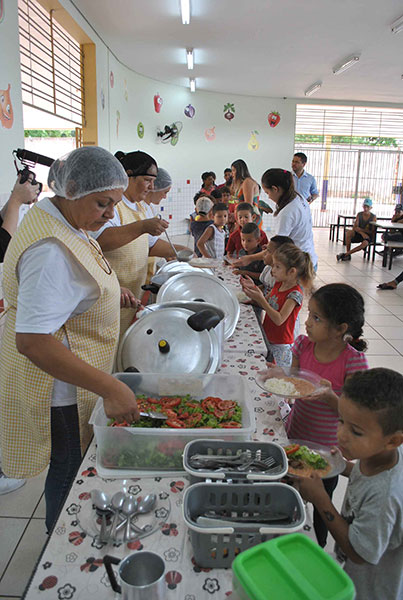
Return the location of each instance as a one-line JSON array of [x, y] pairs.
[[157, 103], [273, 118]]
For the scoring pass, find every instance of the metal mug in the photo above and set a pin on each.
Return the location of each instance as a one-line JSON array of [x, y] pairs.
[[142, 576]]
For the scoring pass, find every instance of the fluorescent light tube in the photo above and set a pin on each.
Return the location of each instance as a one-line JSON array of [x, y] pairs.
[[345, 64], [192, 84], [313, 88], [190, 58], [397, 26], [185, 11]]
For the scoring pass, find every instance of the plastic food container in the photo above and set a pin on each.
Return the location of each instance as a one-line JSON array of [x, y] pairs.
[[216, 546], [226, 448], [290, 567], [140, 451], [276, 380]]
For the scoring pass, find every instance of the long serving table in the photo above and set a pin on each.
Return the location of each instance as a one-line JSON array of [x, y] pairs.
[[72, 562], [385, 226]]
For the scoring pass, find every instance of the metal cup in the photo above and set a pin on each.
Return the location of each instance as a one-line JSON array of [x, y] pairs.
[[141, 576]]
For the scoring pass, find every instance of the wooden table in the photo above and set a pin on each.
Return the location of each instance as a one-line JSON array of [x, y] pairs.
[[386, 226]]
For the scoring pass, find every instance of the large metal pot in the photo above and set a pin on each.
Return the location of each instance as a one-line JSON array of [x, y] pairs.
[[176, 337], [202, 287], [167, 270]]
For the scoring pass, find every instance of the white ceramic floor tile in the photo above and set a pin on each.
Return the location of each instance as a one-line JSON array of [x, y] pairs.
[[383, 320], [11, 532], [376, 309], [40, 511], [24, 560], [371, 334], [396, 310], [390, 333], [398, 344], [23, 501], [388, 362], [381, 348]]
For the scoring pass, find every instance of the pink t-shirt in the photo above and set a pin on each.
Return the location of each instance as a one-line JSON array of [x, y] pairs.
[[316, 421]]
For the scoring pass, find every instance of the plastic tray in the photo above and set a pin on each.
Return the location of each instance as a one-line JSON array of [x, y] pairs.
[[225, 448], [216, 546], [263, 379], [335, 460], [130, 452], [291, 567]]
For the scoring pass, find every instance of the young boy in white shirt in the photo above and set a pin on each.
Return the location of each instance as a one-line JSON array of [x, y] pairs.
[[369, 530]]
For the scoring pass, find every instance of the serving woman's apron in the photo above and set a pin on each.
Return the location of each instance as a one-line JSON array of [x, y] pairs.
[[26, 390], [130, 262]]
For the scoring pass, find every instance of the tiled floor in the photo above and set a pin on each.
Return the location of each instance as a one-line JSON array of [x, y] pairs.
[[22, 527]]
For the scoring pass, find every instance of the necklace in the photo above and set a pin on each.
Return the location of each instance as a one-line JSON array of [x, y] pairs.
[[98, 254]]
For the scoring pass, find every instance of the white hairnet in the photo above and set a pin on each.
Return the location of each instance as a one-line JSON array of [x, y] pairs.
[[163, 181], [85, 171]]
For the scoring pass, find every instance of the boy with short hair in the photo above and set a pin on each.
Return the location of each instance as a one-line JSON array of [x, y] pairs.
[[212, 242], [250, 240], [244, 214], [266, 278], [202, 220], [369, 530]]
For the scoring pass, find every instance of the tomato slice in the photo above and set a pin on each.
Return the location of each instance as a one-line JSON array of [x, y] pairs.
[[174, 423], [230, 425], [122, 424], [154, 400], [170, 402], [226, 404], [219, 413], [193, 404], [193, 420], [291, 449]]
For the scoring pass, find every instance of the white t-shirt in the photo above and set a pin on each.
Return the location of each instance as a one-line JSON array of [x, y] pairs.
[[295, 220], [52, 289], [116, 222]]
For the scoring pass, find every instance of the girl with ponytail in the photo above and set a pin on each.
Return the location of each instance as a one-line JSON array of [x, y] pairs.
[[334, 349], [291, 267]]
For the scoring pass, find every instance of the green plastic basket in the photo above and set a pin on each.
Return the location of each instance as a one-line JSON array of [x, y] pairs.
[[290, 567]]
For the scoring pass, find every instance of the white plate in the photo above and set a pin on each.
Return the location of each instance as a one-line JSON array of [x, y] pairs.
[[279, 373]]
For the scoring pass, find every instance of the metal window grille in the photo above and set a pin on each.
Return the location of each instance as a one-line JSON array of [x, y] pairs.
[[51, 64]]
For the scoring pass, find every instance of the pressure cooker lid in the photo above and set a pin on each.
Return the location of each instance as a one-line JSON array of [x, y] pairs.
[[162, 341], [202, 287]]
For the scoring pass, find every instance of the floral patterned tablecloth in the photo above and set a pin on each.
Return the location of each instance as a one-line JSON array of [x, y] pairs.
[[71, 566]]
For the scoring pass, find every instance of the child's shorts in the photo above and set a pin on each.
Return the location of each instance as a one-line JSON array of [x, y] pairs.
[[280, 354]]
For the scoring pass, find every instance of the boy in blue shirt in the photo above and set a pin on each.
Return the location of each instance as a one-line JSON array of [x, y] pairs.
[[369, 530]]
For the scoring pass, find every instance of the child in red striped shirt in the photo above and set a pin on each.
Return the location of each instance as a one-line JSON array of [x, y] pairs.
[[333, 349]]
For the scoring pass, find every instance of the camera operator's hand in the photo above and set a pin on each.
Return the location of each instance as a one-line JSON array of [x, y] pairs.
[[24, 193]]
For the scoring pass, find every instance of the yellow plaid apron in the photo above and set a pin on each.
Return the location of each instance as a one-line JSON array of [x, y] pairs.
[[130, 262], [26, 390]]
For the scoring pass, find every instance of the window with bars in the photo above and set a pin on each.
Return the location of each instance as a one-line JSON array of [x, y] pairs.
[[51, 64]]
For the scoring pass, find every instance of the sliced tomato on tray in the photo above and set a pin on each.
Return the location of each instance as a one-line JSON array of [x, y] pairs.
[[230, 425], [289, 450], [174, 423]]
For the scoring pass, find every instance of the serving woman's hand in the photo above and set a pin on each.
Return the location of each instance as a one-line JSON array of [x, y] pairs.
[[128, 299], [120, 402], [251, 289], [154, 226]]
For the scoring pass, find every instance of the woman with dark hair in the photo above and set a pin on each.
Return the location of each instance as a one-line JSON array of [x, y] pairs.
[[245, 188], [122, 239], [208, 182]]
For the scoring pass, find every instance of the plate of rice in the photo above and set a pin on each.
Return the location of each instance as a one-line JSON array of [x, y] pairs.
[[289, 382]]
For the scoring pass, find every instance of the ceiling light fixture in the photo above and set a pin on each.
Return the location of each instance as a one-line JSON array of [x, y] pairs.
[[190, 58], [397, 26], [346, 64], [185, 11], [192, 84], [313, 88]]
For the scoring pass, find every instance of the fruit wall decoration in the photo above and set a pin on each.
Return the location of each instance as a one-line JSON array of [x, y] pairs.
[[6, 108], [157, 103], [273, 118], [189, 111], [229, 110], [209, 134], [140, 130], [1, 10], [111, 79], [253, 143]]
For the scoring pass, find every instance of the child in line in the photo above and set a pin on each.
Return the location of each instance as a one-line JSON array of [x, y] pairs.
[[333, 349], [291, 267], [244, 214], [212, 242], [362, 232], [369, 530], [193, 215], [250, 240], [202, 220], [266, 277]]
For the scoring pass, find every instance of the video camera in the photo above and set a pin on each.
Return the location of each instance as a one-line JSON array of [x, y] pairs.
[[30, 159]]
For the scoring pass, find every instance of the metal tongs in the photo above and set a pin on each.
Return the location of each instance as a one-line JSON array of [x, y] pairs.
[[153, 415]]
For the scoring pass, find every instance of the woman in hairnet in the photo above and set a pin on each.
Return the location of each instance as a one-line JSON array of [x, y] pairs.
[[62, 325], [127, 252]]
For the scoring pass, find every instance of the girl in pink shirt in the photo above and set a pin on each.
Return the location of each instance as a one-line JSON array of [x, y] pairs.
[[334, 350]]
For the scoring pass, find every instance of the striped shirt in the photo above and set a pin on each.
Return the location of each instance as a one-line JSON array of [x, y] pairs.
[[316, 421]]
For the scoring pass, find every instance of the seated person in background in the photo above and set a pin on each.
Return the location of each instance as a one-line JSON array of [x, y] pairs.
[[369, 529], [202, 220], [212, 242], [250, 240], [208, 182], [266, 277], [395, 236], [362, 232], [244, 214]]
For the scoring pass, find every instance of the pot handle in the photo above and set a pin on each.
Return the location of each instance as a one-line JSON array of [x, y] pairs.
[[108, 562], [151, 287], [204, 319]]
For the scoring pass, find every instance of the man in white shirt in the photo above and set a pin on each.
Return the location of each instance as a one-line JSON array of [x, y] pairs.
[[304, 183]]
